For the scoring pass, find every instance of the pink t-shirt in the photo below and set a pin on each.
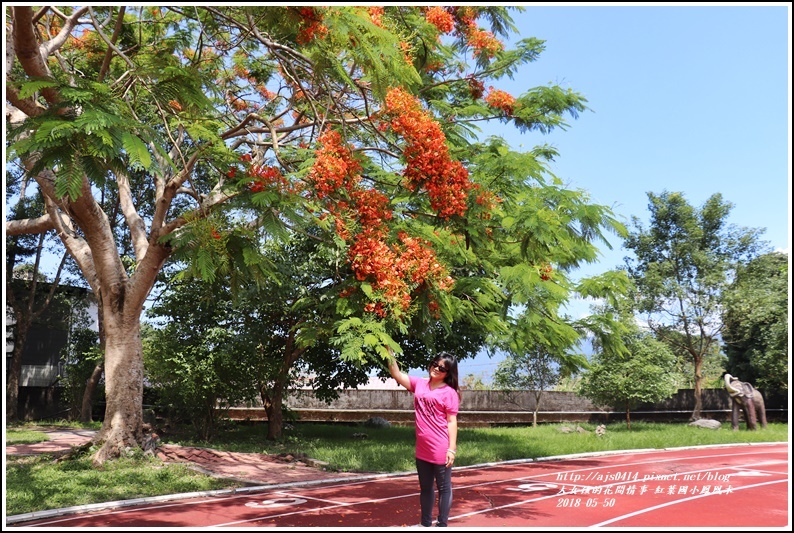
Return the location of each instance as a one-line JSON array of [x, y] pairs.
[[431, 409]]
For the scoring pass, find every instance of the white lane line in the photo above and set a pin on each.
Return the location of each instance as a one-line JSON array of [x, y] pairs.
[[682, 500], [317, 509], [313, 486]]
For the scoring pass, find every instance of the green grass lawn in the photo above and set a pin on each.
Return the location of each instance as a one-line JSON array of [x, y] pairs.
[[39, 483]]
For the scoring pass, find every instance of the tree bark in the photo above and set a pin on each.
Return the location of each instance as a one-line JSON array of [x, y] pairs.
[[274, 401], [123, 425], [274, 407], [537, 407], [698, 389]]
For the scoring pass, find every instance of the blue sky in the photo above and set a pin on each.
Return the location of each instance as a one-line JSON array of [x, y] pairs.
[[683, 98]]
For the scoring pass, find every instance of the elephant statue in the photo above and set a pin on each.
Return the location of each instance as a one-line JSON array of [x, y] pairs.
[[747, 398]]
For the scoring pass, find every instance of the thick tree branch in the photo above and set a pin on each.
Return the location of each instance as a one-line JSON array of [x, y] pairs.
[[111, 47], [75, 245], [93, 222], [68, 25], [165, 198], [135, 223], [29, 226]]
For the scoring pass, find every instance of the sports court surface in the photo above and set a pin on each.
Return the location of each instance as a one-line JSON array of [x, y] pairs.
[[725, 486]]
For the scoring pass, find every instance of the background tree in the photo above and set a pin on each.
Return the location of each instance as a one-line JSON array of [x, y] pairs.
[[474, 382], [30, 296], [711, 371], [536, 371], [218, 127], [80, 358], [618, 379], [756, 324], [195, 381], [684, 262], [28, 293], [276, 333]]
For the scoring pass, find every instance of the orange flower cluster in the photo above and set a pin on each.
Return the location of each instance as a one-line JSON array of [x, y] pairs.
[[434, 66], [334, 167], [545, 272], [488, 200], [476, 87], [484, 43], [264, 92], [395, 273], [372, 207], [370, 256], [240, 71], [266, 177], [419, 264], [428, 163], [440, 18], [406, 49], [311, 25], [499, 99], [465, 18], [80, 41], [55, 27], [90, 45], [375, 13], [245, 74], [237, 103]]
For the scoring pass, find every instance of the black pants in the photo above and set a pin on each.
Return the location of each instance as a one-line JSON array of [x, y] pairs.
[[432, 476]]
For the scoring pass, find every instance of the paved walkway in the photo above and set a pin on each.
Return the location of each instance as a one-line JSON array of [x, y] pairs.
[[246, 468]]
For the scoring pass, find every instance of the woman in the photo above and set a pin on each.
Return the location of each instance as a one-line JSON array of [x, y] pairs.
[[436, 401]]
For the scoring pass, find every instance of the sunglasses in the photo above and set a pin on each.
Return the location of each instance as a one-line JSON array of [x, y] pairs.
[[440, 368]]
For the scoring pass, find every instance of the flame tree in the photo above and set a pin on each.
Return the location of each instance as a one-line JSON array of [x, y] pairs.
[[203, 130]]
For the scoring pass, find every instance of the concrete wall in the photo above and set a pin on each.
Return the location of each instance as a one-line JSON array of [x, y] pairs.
[[491, 400], [486, 407]]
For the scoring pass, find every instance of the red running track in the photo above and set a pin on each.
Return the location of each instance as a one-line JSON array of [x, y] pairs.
[[736, 486]]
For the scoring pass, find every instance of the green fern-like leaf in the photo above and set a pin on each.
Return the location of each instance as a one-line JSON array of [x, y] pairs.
[[30, 88], [95, 169], [137, 152], [69, 177], [204, 265]]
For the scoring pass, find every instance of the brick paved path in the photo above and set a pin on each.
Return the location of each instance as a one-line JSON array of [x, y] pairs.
[[248, 468]]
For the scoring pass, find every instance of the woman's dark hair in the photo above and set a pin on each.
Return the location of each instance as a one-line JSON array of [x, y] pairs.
[[450, 362]]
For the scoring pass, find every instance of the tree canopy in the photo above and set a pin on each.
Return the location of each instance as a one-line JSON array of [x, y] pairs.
[[645, 374], [193, 134], [684, 262], [756, 324]]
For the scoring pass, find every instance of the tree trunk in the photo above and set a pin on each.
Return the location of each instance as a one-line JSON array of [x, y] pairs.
[[628, 417], [537, 407], [274, 407], [123, 424], [696, 413], [15, 368], [91, 384], [275, 413]]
